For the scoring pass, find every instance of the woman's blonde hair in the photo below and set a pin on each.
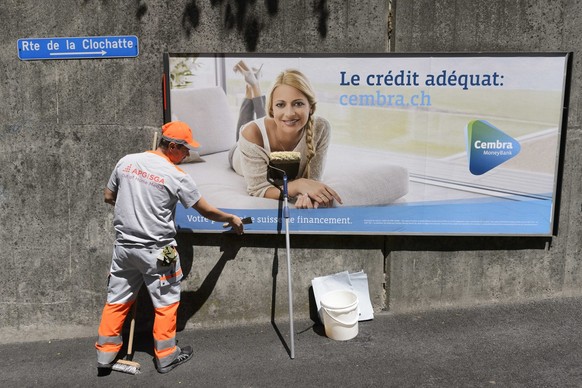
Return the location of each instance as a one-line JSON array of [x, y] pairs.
[[299, 81]]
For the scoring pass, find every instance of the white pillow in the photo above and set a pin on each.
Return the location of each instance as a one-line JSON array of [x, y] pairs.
[[206, 111], [376, 184], [363, 177]]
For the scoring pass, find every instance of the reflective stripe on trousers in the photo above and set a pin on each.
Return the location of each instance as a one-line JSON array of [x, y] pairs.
[[165, 347], [110, 341]]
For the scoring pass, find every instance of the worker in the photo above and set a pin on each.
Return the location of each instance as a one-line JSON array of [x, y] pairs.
[[145, 189]]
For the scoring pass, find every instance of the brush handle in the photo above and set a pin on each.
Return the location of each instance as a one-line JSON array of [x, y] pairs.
[[131, 331]]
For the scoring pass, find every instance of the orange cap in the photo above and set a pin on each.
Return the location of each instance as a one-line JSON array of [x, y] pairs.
[[179, 132]]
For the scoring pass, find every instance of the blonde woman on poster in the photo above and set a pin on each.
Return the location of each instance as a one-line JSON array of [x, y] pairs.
[[289, 125]]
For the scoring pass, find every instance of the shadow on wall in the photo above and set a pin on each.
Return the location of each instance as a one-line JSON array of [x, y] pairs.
[[242, 16], [238, 14], [192, 301]]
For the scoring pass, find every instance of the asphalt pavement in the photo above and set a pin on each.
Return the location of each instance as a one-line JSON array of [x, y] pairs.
[[536, 344]]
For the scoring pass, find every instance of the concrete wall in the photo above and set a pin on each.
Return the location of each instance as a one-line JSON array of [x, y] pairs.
[[65, 123], [438, 272]]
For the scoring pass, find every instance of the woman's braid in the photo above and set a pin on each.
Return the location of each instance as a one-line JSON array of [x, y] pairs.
[[309, 138]]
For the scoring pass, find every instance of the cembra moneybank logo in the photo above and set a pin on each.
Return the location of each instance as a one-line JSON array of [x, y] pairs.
[[488, 146]]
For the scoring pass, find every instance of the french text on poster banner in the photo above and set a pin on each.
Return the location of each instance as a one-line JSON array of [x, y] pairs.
[[472, 217]]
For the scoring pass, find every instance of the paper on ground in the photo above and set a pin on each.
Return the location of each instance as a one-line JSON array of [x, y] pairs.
[[356, 282]]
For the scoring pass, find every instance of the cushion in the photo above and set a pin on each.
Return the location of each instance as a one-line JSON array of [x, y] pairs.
[[364, 177], [206, 111], [373, 181]]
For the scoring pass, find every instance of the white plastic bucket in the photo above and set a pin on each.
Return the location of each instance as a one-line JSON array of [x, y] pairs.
[[340, 314]]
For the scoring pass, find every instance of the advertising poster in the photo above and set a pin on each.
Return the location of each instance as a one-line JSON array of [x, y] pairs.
[[451, 144]]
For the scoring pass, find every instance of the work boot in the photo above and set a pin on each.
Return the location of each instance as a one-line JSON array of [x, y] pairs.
[[185, 355], [103, 369]]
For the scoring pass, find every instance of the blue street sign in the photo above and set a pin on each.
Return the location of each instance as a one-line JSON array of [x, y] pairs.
[[78, 48]]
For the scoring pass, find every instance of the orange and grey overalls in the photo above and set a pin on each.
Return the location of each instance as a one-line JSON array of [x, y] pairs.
[[148, 187]]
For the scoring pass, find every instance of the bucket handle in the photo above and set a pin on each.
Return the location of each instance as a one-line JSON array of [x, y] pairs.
[[340, 321]]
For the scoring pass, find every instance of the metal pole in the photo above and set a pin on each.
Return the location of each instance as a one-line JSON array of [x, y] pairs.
[[289, 277]]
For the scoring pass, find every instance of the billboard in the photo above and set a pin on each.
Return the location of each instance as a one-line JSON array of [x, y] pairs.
[[419, 144]]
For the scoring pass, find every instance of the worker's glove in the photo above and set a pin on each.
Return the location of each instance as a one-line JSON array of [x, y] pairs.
[[168, 256]]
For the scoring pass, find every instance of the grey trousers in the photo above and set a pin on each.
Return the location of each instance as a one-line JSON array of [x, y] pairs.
[[250, 109]]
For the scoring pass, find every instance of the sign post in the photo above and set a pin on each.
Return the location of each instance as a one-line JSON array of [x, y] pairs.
[[89, 47]]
